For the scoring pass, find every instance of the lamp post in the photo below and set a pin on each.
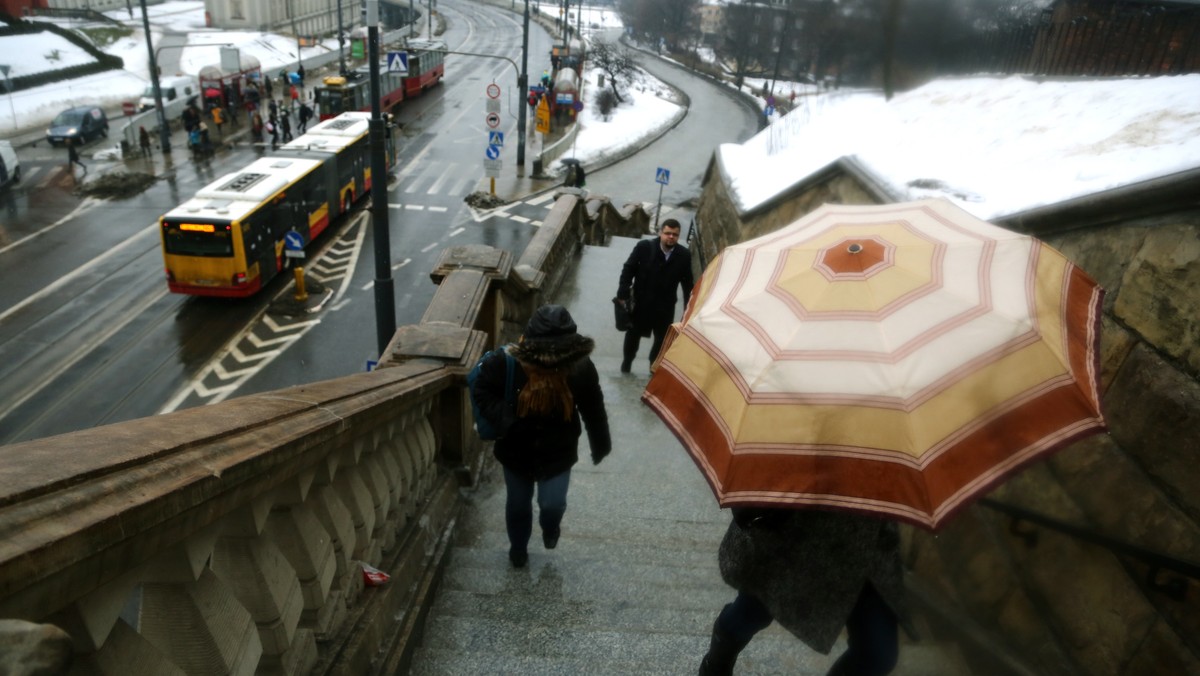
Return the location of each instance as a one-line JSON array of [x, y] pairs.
[[164, 134], [341, 41], [523, 86], [385, 294]]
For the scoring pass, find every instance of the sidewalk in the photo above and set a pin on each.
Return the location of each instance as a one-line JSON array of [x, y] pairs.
[[633, 586]]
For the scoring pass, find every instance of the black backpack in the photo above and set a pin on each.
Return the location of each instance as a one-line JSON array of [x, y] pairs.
[[484, 427]]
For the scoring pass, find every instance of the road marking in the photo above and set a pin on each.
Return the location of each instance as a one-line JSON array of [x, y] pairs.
[[519, 219], [429, 248], [414, 207], [437, 184], [440, 210], [85, 206], [456, 232], [107, 332], [540, 198], [85, 268], [402, 263]]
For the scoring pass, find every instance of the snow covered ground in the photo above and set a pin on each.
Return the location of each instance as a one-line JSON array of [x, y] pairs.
[[994, 145]]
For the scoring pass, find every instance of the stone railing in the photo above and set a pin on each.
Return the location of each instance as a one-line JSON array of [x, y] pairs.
[[231, 538]]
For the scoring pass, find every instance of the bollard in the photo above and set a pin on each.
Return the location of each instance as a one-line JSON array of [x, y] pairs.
[[301, 294]]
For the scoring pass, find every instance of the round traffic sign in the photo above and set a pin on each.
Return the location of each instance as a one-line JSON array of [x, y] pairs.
[[493, 91], [493, 120]]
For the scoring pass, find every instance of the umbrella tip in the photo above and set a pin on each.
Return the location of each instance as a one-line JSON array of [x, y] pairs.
[[854, 248]]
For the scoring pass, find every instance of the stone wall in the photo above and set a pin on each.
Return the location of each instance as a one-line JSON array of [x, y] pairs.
[[1041, 600]]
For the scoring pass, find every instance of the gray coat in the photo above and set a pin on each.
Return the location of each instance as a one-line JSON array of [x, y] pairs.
[[808, 567]]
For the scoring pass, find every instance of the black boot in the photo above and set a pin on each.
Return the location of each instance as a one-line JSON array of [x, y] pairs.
[[722, 654]]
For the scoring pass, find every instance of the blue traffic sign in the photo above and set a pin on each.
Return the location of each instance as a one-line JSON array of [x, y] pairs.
[[493, 152], [397, 62], [662, 176], [293, 241], [496, 138]]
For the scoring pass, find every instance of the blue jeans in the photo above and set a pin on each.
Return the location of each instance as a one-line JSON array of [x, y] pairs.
[[518, 508], [872, 632]]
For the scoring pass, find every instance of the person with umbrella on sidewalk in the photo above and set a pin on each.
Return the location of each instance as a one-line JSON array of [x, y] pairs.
[[555, 388], [814, 572], [864, 365]]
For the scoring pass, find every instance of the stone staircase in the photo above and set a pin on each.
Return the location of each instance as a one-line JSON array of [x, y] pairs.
[[633, 586]]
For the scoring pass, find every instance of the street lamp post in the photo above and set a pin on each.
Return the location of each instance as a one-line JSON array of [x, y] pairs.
[[164, 134], [341, 41], [523, 86], [385, 293]]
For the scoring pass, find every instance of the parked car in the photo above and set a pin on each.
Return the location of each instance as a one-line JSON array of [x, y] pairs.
[[10, 166], [81, 124]]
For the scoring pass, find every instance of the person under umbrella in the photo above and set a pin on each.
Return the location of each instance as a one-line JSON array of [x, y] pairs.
[[556, 386], [814, 572]]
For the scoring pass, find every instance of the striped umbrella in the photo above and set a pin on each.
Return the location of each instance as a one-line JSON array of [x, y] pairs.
[[898, 359]]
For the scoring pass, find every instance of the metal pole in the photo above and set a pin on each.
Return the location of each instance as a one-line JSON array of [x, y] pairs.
[[658, 209], [385, 293], [523, 87], [341, 41], [164, 133], [412, 16]]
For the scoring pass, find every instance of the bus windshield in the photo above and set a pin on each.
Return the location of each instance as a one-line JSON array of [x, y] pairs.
[[329, 102], [198, 239]]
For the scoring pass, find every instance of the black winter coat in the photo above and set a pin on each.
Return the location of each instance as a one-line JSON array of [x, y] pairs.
[[653, 278], [808, 567], [539, 447]]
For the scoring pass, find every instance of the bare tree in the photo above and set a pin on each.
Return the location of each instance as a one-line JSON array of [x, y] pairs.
[[617, 64], [742, 42]]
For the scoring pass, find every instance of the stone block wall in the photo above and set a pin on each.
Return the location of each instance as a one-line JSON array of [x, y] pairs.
[[1050, 602]]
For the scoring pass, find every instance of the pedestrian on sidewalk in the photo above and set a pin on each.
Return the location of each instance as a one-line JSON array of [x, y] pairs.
[[144, 141], [267, 88], [285, 125], [814, 572], [273, 129], [300, 74], [648, 280], [272, 109], [295, 96], [556, 386], [256, 127], [73, 158], [218, 118], [306, 114]]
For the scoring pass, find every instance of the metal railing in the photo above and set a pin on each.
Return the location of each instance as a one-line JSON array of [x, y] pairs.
[[1173, 587]]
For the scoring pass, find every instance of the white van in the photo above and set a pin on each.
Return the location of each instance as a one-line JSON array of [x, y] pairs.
[[10, 166], [173, 87]]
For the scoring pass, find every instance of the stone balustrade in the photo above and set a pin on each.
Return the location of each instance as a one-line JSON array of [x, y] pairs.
[[231, 539]]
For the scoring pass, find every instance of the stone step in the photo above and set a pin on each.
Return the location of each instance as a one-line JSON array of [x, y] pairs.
[[476, 646]]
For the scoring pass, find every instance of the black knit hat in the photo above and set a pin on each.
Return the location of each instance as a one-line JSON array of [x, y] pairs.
[[550, 321]]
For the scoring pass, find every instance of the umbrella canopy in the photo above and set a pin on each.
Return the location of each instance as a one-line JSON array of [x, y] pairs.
[[898, 359]]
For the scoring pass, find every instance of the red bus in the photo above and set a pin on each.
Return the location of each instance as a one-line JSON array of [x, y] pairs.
[[339, 94]]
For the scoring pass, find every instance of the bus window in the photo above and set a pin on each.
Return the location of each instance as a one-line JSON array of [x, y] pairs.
[[198, 239], [330, 102]]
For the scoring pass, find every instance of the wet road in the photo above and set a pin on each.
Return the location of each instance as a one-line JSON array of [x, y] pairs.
[[89, 335]]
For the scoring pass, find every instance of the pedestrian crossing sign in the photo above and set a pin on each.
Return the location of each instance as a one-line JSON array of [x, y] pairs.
[[662, 176], [496, 138], [397, 62]]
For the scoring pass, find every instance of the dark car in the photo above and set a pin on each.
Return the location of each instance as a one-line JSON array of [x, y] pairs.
[[81, 124]]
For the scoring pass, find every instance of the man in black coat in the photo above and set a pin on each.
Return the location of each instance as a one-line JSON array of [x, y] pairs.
[[650, 274]]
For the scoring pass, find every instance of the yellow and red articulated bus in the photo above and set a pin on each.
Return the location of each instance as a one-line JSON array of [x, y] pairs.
[[228, 240]]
